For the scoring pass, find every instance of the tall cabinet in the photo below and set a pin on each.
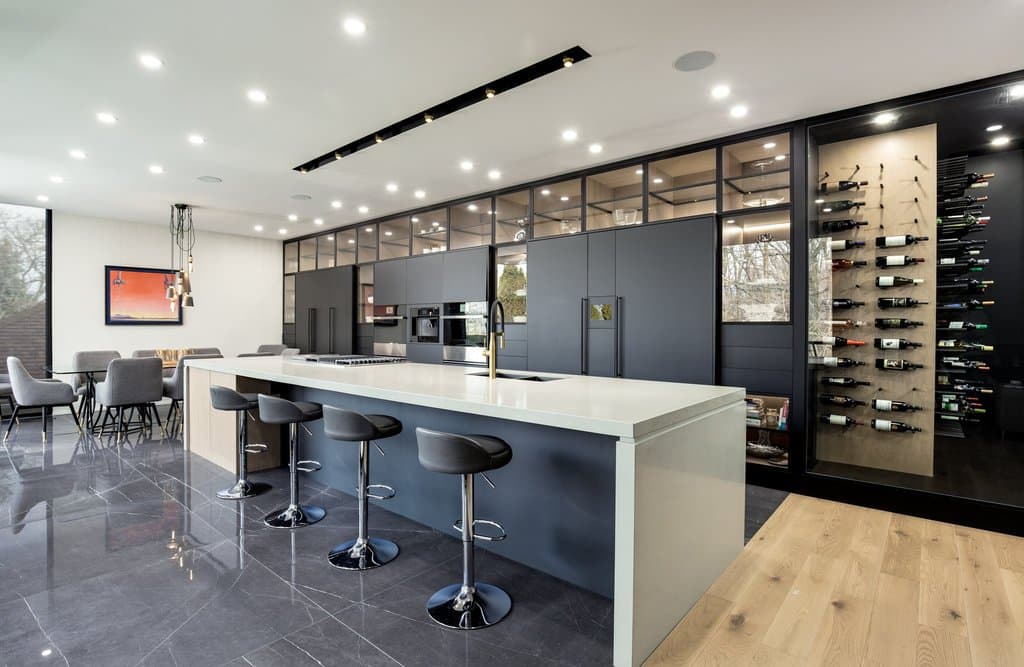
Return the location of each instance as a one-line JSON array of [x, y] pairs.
[[324, 310]]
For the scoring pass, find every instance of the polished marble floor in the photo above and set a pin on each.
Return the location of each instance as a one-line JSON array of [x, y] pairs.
[[124, 556]]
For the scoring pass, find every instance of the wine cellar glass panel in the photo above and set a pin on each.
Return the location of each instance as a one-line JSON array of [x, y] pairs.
[[756, 267]]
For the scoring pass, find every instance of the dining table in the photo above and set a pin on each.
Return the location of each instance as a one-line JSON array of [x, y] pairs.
[[88, 409]]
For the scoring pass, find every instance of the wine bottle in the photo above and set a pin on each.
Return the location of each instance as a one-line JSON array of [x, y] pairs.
[[897, 241], [844, 382], [840, 186], [837, 341], [896, 323], [838, 420], [969, 304], [897, 260], [955, 418], [895, 344], [839, 264], [967, 364], [844, 324], [834, 399], [966, 284], [959, 324], [898, 427], [957, 344], [962, 201], [965, 179], [885, 302], [839, 246], [961, 262], [837, 362], [896, 281], [840, 205], [951, 245], [882, 405], [841, 225], [843, 304], [896, 365], [970, 388]]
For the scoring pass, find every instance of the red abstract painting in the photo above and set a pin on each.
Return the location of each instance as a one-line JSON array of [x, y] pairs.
[[139, 296]]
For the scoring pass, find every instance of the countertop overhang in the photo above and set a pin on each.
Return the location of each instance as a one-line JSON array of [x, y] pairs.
[[612, 406]]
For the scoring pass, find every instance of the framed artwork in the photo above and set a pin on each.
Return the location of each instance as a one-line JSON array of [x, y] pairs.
[[139, 296]]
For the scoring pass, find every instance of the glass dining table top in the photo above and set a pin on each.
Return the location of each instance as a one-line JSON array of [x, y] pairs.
[[57, 369]]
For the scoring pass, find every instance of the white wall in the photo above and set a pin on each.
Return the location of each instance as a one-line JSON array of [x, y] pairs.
[[236, 283]]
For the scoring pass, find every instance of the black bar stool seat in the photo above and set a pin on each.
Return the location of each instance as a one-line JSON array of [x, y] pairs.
[[274, 410], [223, 398], [364, 552], [471, 604]]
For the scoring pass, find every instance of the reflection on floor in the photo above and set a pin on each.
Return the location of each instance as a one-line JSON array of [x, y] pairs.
[[126, 557], [982, 466], [824, 583]]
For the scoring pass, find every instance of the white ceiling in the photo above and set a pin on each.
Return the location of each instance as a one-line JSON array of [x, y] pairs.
[[62, 62]]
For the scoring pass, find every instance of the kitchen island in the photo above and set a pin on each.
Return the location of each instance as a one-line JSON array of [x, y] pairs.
[[629, 488]]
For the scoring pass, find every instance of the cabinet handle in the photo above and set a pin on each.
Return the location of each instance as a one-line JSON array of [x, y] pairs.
[[618, 336], [330, 330], [311, 333], [583, 336]]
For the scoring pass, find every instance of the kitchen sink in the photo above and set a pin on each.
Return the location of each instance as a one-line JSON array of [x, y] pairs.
[[516, 376]]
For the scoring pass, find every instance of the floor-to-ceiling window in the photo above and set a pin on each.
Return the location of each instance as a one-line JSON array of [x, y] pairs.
[[23, 257]]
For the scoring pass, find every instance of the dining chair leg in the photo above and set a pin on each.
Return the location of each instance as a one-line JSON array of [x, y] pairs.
[[122, 431], [156, 414], [74, 415], [10, 425], [43, 410]]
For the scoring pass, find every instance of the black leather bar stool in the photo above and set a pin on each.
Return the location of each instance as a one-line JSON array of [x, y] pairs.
[[364, 552], [275, 410], [223, 398], [471, 604]]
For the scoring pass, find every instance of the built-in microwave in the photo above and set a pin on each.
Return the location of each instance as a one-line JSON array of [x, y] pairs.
[[424, 324], [465, 332]]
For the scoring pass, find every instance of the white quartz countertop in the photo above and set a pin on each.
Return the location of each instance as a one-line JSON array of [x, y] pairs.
[[612, 406]]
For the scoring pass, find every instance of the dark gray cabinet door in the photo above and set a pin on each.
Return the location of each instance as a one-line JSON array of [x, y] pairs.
[[389, 283], [555, 292], [601, 264], [423, 279], [665, 282], [423, 353], [324, 309], [340, 310], [466, 275], [307, 298]]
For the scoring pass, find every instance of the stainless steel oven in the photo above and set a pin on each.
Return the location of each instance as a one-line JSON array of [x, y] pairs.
[[465, 332], [389, 331], [424, 324]]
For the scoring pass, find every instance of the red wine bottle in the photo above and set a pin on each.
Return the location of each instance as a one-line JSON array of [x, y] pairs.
[[959, 324], [837, 362], [969, 304], [844, 324], [839, 264], [883, 405], [885, 302], [840, 205], [897, 241], [843, 304], [896, 323], [844, 382], [839, 246], [895, 344], [841, 225], [840, 186], [897, 260], [896, 281], [838, 420], [886, 425], [896, 365], [837, 341], [834, 399]]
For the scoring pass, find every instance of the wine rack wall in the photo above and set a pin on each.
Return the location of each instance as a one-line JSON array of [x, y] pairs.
[[898, 199]]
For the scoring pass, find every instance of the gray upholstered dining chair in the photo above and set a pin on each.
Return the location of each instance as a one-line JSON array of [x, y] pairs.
[[142, 354], [272, 349], [6, 394], [30, 392], [206, 351], [174, 386], [88, 360], [258, 354], [130, 384]]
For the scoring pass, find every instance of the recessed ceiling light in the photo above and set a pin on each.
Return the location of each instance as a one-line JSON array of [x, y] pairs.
[[739, 111], [569, 134], [150, 61], [1017, 91], [196, 139], [545, 192], [466, 165], [1001, 141], [415, 219], [364, 209], [389, 233], [257, 228], [659, 180], [256, 96], [292, 217], [694, 61], [567, 61], [768, 145], [884, 118], [419, 194], [282, 231], [489, 93], [780, 158], [156, 169], [336, 204], [720, 92], [564, 197], [472, 207], [494, 174], [428, 118], [378, 139], [57, 179], [77, 153], [391, 187], [42, 198], [318, 221], [354, 26], [106, 118], [595, 148], [210, 179]]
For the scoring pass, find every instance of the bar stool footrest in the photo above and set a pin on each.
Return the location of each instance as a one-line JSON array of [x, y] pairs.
[[389, 492], [308, 466], [486, 538], [256, 448]]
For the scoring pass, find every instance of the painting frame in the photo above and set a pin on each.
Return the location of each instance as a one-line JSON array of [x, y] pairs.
[[140, 309]]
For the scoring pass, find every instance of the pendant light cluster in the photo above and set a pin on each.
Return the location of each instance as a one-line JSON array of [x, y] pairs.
[[183, 239]]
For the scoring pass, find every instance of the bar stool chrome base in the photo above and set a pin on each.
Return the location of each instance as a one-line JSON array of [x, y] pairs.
[[456, 607], [295, 516], [243, 489], [353, 555]]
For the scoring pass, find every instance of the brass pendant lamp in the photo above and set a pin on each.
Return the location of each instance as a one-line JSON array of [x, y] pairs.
[[183, 239]]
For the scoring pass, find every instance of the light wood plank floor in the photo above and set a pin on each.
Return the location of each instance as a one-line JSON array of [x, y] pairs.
[[823, 583]]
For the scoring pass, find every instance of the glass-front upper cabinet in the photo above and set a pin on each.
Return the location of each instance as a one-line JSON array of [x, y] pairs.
[[430, 232], [366, 241], [471, 224], [511, 220], [510, 269], [615, 198], [678, 187], [756, 173], [346, 243], [291, 257], [394, 238], [325, 251], [365, 296], [756, 267], [289, 299], [557, 208], [307, 254]]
